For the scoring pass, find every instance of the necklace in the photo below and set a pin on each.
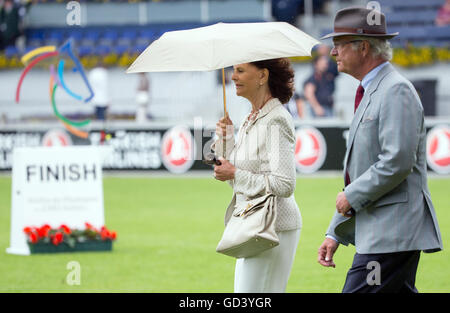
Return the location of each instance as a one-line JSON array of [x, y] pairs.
[[253, 115]]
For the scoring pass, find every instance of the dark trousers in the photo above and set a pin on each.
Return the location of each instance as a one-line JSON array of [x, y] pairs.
[[386, 272], [100, 113]]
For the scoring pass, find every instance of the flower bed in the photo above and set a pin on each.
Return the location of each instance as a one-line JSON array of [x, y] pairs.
[[45, 239]]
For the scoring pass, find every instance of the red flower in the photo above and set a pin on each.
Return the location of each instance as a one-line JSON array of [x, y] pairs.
[[43, 231], [57, 238], [104, 233], [33, 237], [28, 230], [90, 227], [65, 229]]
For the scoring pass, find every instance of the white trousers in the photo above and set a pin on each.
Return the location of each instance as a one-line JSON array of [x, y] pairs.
[[268, 271]]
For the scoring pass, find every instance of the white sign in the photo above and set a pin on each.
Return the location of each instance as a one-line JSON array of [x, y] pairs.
[[55, 185]]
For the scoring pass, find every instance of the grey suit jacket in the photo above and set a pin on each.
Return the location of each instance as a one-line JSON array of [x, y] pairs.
[[386, 163]]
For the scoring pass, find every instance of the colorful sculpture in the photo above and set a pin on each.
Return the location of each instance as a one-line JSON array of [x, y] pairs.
[[39, 54]]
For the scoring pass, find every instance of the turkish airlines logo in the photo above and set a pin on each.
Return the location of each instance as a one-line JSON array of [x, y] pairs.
[[177, 150], [56, 138], [438, 149], [310, 150]]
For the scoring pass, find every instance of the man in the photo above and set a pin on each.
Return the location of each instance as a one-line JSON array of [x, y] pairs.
[[331, 71], [98, 77], [9, 24], [385, 209], [319, 88]]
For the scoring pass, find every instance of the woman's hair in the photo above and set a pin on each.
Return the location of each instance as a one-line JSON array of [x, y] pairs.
[[281, 77]]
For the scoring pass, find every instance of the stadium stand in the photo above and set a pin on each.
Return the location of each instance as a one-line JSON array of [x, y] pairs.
[[115, 41], [101, 40], [415, 21], [120, 38]]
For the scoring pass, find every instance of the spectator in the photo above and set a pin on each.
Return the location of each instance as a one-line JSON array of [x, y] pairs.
[[142, 98], [300, 104], [332, 71], [443, 15], [9, 24], [228, 72], [289, 10], [286, 10], [98, 77], [296, 106], [318, 89]]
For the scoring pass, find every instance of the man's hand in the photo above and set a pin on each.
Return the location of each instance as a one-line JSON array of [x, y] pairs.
[[342, 205], [326, 252], [225, 171]]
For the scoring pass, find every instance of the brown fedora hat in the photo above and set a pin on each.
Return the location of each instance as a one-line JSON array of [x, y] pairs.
[[355, 21]]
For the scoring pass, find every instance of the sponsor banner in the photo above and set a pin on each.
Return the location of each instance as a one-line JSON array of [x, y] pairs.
[[179, 149], [56, 138], [310, 149], [438, 149]]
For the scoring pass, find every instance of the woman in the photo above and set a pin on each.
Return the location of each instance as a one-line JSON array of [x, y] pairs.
[[265, 147]]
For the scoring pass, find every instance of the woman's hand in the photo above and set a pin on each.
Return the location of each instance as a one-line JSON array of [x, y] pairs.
[[225, 171], [224, 127]]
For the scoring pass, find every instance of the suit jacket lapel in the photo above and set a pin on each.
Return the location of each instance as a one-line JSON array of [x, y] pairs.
[[365, 101]]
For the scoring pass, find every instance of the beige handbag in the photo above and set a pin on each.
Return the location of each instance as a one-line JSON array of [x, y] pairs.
[[251, 228]]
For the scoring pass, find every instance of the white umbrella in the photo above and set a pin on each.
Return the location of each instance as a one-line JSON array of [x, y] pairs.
[[222, 45]]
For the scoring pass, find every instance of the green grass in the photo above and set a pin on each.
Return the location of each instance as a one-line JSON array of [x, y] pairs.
[[168, 229]]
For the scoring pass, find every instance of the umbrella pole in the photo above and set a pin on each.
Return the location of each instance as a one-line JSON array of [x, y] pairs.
[[225, 113]]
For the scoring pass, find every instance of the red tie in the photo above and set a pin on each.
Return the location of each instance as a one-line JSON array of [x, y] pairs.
[[359, 96]]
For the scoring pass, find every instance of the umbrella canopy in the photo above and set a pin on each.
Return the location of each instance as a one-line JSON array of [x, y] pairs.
[[222, 45]]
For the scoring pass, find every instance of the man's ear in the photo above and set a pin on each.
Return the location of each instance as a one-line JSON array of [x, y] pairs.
[[365, 47]]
